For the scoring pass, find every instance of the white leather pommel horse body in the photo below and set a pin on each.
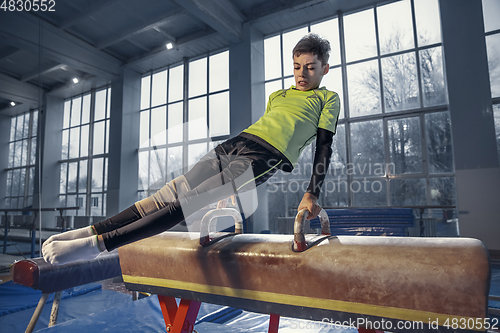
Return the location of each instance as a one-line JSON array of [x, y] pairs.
[[435, 281]]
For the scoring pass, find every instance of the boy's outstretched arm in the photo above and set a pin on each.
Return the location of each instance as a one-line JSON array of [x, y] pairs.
[[322, 155]]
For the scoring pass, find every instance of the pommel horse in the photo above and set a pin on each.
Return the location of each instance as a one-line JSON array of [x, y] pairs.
[[435, 284]]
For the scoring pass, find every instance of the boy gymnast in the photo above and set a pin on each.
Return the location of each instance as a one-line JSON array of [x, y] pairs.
[[293, 118]]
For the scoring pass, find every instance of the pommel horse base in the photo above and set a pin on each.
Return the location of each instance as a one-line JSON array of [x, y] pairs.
[[432, 281]]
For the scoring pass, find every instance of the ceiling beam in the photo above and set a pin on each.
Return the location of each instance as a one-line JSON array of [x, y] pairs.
[[137, 29], [18, 91], [181, 42], [95, 7], [221, 15], [21, 30], [45, 70]]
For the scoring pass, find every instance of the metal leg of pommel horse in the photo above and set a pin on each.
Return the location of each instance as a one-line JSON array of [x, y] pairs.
[[179, 319], [38, 311]]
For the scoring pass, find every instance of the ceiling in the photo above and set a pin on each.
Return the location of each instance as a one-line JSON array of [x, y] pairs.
[[94, 40]]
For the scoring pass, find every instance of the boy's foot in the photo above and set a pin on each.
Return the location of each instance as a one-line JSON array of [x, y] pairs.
[[61, 252], [70, 235]]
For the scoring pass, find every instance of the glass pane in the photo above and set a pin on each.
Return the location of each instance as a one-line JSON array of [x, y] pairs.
[[26, 125], [288, 82], [219, 114], [144, 131], [395, 27], [174, 162], [9, 183], [105, 174], [108, 108], [359, 32], [197, 118], [176, 84], [219, 71], [491, 13], [439, 146], [82, 182], [99, 138], [333, 81], [399, 74], [22, 183], [157, 169], [405, 145], [19, 127], [175, 122], [363, 88], [143, 170], [86, 109], [15, 182], [72, 171], [159, 87], [96, 205], [84, 143], [76, 111], [24, 156], [408, 192], [13, 203], [338, 161], [63, 177], [34, 128], [330, 30], [81, 200], [367, 143], [158, 126], [496, 115], [493, 49], [145, 91], [97, 170], [431, 64], [334, 194], [13, 128], [33, 151], [303, 169], [17, 153], [20, 203], [104, 202], [272, 58], [428, 22], [31, 180], [65, 144], [100, 105], [272, 87], [290, 39], [11, 154], [443, 191], [74, 144], [196, 152], [107, 136], [369, 193], [62, 201], [198, 77], [67, 109]]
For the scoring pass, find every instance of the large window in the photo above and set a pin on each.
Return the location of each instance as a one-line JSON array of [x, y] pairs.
[[491, 13], [393, 140], [22, 160], [84, 156], [181, 121]]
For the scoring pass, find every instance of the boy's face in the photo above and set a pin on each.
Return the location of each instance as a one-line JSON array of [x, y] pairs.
[[308, 71]]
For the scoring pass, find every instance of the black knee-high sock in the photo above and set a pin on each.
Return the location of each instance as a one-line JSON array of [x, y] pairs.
[[119, 220], [147, 226]]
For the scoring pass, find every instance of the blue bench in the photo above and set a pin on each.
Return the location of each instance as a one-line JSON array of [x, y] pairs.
[[368, 221]]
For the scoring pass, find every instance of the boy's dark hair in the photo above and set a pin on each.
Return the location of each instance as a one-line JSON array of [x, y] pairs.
[[312, 43]]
